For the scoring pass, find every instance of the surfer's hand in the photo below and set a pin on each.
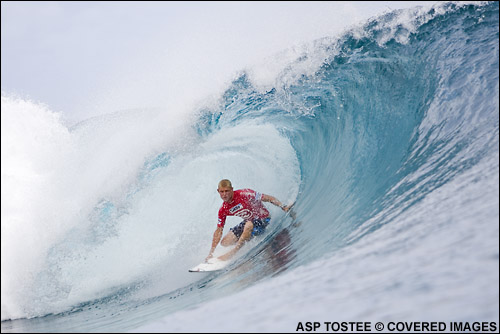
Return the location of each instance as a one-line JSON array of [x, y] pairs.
[[288, 208], [209, 257]]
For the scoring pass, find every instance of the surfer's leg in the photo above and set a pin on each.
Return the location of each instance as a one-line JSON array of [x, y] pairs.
[[234, 234], [245, 236], [229, 240]]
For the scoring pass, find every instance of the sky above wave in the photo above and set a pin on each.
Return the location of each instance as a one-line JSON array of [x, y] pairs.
[[83, 59]]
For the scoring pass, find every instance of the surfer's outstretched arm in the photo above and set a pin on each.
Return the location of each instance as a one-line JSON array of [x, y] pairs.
[[275, 201]]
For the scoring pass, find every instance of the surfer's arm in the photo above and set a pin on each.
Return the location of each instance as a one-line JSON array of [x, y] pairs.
[[215, 241], [275, 201]]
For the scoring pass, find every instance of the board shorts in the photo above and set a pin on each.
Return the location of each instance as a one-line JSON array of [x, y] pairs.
[[259, 226]]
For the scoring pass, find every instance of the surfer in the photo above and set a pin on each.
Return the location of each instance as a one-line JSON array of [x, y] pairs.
[[244, 203]]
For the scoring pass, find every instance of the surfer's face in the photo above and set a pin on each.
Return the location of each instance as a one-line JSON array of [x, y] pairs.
[[226, 194]]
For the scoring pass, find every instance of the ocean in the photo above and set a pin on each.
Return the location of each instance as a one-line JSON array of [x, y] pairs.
[[386, 137]]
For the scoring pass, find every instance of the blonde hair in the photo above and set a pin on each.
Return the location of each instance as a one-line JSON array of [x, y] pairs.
[[225, 184]]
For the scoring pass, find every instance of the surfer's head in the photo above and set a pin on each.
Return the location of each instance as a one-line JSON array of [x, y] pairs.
[[225, 190], [225, 184]]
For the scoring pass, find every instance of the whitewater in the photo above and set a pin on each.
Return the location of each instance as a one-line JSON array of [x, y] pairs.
[[385, 136]]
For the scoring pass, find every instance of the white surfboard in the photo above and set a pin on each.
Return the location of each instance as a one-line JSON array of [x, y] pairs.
[[212, 264]]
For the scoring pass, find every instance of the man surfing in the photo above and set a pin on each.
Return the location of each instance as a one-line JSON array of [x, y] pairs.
[[244, 203]]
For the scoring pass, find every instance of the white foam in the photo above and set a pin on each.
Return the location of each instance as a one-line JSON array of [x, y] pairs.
[[56, 252], [52, 178]]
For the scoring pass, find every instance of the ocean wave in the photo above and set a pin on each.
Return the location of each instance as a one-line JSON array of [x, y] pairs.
[[383, 131]]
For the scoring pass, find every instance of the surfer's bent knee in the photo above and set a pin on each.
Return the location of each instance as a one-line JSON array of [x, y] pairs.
[[229, 240]]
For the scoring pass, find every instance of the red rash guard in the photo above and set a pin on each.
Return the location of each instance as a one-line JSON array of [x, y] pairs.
[[246, 204]]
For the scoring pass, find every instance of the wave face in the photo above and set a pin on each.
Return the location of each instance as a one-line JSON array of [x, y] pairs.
[[387, 138]]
